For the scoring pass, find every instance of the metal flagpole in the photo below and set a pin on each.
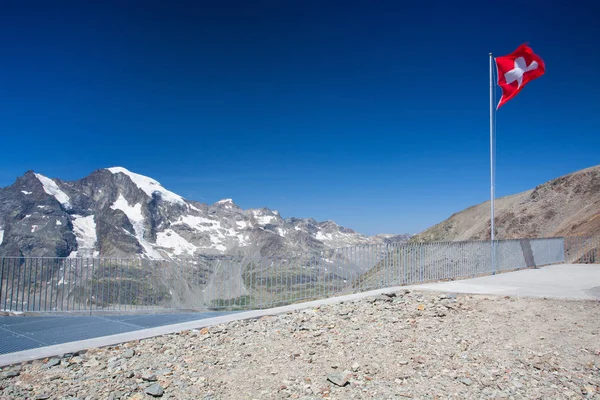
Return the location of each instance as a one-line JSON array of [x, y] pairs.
[[492, 175]]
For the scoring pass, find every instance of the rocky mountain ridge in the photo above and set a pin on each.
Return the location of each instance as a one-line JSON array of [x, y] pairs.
[[565, 206], [114, 212]]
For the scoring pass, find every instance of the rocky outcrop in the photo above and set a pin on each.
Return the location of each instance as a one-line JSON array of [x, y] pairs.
[[566, 206]]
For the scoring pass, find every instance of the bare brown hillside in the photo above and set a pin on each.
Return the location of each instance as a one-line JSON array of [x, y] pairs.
[[565, 206]]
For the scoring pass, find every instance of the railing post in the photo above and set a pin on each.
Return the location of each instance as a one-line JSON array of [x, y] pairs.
[[2, 280], [421, 262], [91, 282]]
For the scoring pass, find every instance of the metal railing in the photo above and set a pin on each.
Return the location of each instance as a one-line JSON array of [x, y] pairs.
[[231, 282], [582, 250]]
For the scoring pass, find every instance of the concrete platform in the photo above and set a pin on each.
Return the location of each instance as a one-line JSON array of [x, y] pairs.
[[565, 281]]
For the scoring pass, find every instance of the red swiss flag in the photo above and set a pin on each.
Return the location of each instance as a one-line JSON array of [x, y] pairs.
[[516, 70]]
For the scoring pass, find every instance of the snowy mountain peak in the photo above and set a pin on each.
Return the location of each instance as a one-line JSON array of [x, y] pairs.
[[111, 213], [149, 185], [227, 204]]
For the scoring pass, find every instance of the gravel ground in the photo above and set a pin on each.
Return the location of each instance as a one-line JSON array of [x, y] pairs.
[[401, 345]]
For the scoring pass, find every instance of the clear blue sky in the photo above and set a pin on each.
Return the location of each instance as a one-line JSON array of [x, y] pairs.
[[372, 114]]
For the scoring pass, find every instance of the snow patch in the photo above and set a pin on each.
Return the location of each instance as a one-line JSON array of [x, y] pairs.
[[51, 188], [190, 206], [217, 244], [25, 192], [175, 242], [58, 222], [27, 216], [137, 220], [33, 228], [41, 206], [1, 235], [321, 236], [149, 185], [243, 239], [199, 223], [263, 219], [242, 224], [84, 229]]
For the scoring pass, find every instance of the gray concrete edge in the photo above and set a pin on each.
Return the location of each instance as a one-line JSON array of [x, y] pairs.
[[72, 347]]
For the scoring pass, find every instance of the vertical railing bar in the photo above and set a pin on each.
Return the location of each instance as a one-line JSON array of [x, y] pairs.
[[18, 285], [139, 282], [2, 291], [58, 290], [42, 286], [129, 299], [70, 280], [93, 299], [29, 283], [119, 282], [65, 284], [52, 264]]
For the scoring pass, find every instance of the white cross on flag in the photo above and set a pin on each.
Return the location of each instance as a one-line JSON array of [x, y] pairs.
[[516, 70]]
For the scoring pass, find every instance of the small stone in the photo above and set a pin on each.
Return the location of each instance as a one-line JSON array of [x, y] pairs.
[[92, 362], [149, 376], [355, 367], [129, 353], [42, 396], [517, 384], [405, 373], [52, 363], [589, 390], [129, 374], [155, 390], [339, 379], [9, 374], [467, 381]]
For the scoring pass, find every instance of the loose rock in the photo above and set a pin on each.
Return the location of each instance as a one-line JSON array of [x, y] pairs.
[[340, 379], [53, 363], [9, 374], [149, 377], [129, 353], [155, 390]]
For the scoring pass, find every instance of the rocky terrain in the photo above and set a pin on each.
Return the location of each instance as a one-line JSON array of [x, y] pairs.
[[117, 213], [565, 206], [400, 345]]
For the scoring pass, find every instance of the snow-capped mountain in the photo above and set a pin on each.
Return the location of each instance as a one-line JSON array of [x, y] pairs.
[[117, 213]]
